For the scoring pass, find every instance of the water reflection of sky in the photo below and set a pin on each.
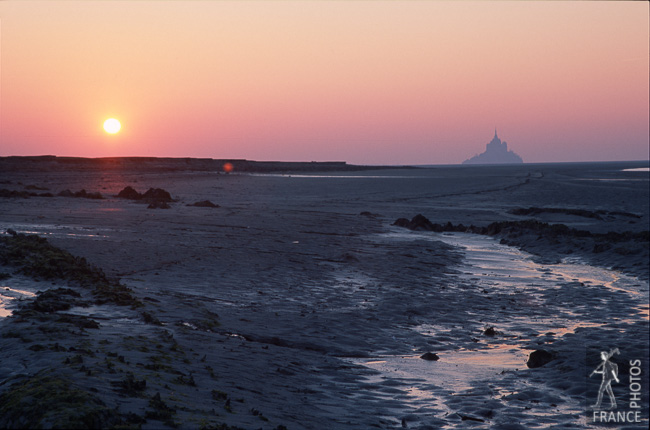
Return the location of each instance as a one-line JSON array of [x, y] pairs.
[[55, 230], [8, 295], [502, 269]]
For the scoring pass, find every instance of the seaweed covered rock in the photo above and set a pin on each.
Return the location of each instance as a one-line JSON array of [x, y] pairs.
[[36, 257], [58, 299]]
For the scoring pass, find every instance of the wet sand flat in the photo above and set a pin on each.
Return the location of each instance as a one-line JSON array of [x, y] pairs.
[[296, 303]]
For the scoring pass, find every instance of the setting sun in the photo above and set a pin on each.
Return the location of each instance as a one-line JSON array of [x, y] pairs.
[[112, 126]]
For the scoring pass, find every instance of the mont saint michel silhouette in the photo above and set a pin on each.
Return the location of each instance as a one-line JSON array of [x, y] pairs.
[[496, 152]]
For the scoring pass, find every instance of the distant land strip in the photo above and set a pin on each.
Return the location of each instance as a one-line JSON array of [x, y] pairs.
[[163, 164]]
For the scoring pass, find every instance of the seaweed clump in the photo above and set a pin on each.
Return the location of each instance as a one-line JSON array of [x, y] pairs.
[[45, 401], [34, 256]]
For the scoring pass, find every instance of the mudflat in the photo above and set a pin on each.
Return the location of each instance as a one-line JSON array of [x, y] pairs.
[[292, 301]]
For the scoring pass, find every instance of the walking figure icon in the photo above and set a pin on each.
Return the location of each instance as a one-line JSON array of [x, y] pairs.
[[609, 370]]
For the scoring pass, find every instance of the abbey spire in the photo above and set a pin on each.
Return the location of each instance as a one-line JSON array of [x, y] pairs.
[[496, 152]]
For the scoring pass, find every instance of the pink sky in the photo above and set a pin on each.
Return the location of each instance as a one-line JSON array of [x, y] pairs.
[[366, 82]]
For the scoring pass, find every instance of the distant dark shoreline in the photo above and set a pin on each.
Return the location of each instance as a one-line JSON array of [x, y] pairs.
[[189, 164], [164, 164]]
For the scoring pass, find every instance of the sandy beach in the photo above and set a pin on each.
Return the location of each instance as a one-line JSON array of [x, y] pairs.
[[296, 303]]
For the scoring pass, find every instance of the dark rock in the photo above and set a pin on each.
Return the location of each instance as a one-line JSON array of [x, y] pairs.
[[470, 418], [401, 222], [66, 193], [539, 358], [204, 204], [157, 195], [420, 222], [129, 193], [490, 331], [430, 356]]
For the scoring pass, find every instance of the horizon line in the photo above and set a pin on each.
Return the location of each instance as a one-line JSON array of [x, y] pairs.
[[320, 162]]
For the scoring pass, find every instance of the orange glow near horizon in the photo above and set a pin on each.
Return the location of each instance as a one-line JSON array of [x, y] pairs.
[[364, 82]]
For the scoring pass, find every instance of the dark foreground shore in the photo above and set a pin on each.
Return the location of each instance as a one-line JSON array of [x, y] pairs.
[[268, 307]]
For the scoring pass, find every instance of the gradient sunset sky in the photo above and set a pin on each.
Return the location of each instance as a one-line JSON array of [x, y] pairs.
[[368, 82]]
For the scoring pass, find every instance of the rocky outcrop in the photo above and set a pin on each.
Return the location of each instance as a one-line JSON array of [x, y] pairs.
[[422, 223], [156, 197]]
